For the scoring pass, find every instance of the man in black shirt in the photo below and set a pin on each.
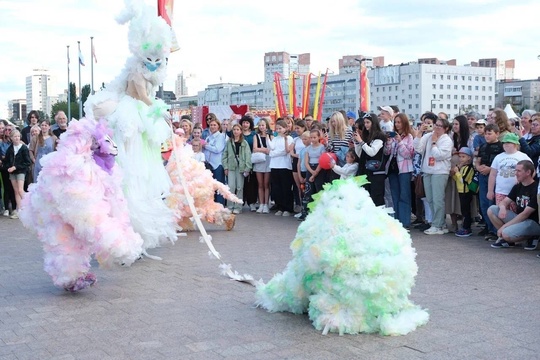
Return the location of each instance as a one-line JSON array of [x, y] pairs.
[[486, 154], [523, 224], [62, 121]]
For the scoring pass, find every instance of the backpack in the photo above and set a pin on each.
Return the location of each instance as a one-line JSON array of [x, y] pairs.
[[474, 184]]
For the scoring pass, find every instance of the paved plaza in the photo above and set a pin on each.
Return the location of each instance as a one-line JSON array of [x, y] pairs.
[[483, 303]]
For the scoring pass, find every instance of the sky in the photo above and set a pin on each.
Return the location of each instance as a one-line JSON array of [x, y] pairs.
[[225, 41]]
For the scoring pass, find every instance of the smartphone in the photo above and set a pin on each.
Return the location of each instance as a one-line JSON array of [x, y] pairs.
[[430, 127], [391, 134]]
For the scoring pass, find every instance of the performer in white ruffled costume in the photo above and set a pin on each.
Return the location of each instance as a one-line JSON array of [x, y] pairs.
[[140, 123]]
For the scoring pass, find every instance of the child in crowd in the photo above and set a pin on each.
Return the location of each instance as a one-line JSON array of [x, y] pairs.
[[350, 168], [479, 139], [302, 170], [196, 147], [315, 175], [197, 135], [486, 154], [463, 175], [236, 161], [502, 176], [281, 178], [17, 162]]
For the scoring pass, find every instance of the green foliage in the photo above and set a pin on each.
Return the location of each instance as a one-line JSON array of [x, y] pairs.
[[42, 115], [63, 106], [192, 102], [72, 92]]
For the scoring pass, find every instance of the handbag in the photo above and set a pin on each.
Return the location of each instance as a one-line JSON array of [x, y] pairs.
[[375, 165], [258, 157]]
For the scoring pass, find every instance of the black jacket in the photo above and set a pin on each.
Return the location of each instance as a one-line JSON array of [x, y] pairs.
[[21, 161]]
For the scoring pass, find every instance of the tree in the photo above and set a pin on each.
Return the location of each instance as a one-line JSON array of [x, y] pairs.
[[62, 106], [42, 115], [73, 92], [192, 102]]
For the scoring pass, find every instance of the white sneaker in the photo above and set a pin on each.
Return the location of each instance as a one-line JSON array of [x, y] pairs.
[[253, 207], [265, 210], [286, 213], [237, 211], [279, 213], [434, 231], [260, 209], [14, 215], [6, 213], [298, 215]]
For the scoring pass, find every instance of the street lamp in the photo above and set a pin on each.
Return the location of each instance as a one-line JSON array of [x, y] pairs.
[[432, 100]]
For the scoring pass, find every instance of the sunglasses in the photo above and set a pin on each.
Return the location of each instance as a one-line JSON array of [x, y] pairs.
[[367, 116]]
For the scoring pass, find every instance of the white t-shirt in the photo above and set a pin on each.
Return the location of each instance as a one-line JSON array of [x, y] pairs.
[[505, 164], [199, 156], [16, 148], [387, 126]]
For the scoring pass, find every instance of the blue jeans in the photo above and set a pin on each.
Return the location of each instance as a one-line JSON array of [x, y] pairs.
[[485, 203], [400, 188], [219, 175]]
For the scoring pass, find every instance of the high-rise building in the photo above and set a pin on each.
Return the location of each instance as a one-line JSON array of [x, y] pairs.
[[351, 63], [504, 69], [285, 64], [40, 90], [180, 86], [17, 109]]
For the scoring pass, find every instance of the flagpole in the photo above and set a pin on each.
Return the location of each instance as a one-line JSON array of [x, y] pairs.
[[80, 89], [69, 89], [91, 65]]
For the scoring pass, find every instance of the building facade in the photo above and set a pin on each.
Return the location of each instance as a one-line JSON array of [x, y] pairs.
[[414, 87], [285, 64], [17, 110], [180, 86], [521, 94], [41, 91]]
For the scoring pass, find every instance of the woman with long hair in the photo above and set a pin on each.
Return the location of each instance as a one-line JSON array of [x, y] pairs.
[[8, 192], [340, 137], [236, 160], [41, 145], [370, 150], [501, 119], [16, 163], [399, 147], [460, 139], [250, 183], [262, 170]]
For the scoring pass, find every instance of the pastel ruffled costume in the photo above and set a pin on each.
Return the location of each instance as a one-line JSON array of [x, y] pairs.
[[201, 185], [139, 123], [352, 270], [77, 207]]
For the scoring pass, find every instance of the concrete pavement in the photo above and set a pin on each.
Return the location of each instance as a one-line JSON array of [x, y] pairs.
[[483, 303]]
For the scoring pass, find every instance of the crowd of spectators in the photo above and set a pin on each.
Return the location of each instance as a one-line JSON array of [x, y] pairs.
[[465, 170]]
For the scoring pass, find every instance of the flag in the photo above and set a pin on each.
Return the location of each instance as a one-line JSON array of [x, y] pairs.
[[165, 10], [94, 53], [81, 59]]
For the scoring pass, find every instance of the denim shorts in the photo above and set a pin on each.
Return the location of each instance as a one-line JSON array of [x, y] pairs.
[[526, 228], [16, 177]]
